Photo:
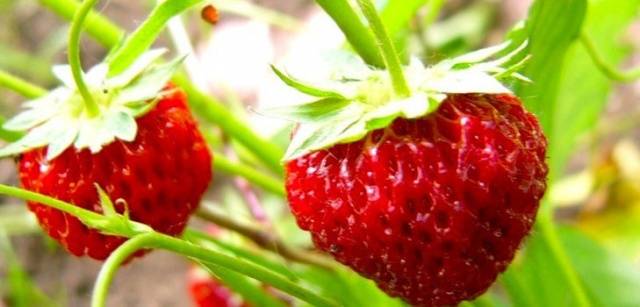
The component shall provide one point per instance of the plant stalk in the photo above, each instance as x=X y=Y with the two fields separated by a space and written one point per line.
x=387 y=49
x=74 y=56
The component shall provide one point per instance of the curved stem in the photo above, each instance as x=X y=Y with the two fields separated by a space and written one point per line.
x=157 y=240
x=74 y=56
x=609 y=70
x=20 y=86
x=266 y=240
x=388 y=51
x=115 y=260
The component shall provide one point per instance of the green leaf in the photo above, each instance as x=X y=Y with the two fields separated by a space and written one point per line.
x=584 y=91
x=611 y=280
x=305 y=88
x=309 y=112
x=553 y=26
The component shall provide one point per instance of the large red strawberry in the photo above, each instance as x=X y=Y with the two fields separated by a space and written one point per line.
x=431 y=194
x=433 y=208
x=143 y=148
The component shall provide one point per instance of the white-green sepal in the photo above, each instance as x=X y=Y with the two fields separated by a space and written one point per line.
x=354 y=103
x=59 y=120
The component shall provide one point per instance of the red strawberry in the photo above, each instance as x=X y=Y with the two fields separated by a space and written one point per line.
x=434 y=208
x=161 y=176
x=208 y=292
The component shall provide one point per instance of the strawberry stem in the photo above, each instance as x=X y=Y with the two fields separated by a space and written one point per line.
x=20 y=86
x=74 y=56
x=161 y=241
x=388 y=51
x=607 y=69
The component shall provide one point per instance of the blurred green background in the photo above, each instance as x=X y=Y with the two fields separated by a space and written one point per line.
x=590 y=113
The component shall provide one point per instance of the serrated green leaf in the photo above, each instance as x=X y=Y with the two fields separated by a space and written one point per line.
x=149 y=85
x=309 y=112
x=304 y=88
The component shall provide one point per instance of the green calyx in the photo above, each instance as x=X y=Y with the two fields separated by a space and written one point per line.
x=61 y=119
x=353 y=99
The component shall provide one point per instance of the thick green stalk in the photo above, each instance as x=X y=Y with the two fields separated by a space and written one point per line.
x=213 y=111
x=387 y=49
x=74 y=56
x=98 y=27
x=358 y=35
x=147 y=33
x=249 y=173
x=20 y=86
x=610 y=71
x=161 y=241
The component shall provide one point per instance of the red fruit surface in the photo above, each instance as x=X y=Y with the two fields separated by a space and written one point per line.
x=208 y=292
x=431 y=209
x=162 y=176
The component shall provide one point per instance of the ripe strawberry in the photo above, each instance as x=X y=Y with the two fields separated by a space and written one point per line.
x=208 y=292
x=432 y=208
x=135 y=139
x=161 y=176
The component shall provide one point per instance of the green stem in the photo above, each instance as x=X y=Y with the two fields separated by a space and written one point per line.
x=607 y=69
x=147 y=33
x=98 y=27
x=20 y=86
x=354 y=30
x=157 y=240
x=160 y=241
x=76 y=211
x=115 y=260
x=215 y=112
x=252 y=175
x=550 y=234
x=74 y=56
x=387 y=49
x=266 y=240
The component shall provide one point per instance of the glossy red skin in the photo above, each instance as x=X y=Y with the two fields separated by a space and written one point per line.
x=162 y=176
x=431 y=209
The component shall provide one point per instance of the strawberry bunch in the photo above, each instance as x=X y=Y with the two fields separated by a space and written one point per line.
x=143 y=148
x=431 y=194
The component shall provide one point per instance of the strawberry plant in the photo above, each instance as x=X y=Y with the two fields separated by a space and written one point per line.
x=428 y=161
